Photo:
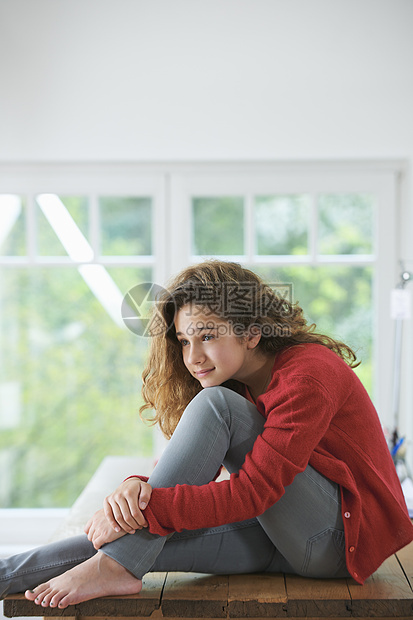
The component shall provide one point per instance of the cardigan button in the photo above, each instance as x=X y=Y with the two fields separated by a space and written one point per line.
x=347 y=515
x=351 y=549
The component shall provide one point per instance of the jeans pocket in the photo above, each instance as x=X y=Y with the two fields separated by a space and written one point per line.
x=325 y=555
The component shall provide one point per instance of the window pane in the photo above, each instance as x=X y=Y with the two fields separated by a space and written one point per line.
x=126 y=226
x=12 y=225
x=218 y=226
x=62 y=226
x=346 y=224
x=69 y=383
x=339 y=299
x=281 y=224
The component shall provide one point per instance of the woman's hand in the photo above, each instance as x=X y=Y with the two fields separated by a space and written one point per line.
x=123 y=507
x=99 y=530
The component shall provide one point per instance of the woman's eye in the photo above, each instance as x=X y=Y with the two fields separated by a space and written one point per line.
x=208 y=337
x=183 y=342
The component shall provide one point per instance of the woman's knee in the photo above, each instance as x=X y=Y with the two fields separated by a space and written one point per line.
x=209 y=400
x=231 y=408
x=211 y=394
x=205 y=411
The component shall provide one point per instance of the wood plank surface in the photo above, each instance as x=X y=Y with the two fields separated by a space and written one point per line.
x=386 y=593
x=405 y=557
x=159 y=616
x=261 y=595
x=195 y=595
x=320 y=598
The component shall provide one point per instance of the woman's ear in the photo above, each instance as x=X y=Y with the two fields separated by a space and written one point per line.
x=253 y=337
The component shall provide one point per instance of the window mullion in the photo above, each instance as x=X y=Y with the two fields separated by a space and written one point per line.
x=94 y=225
x=161 y=222
x=31 y=229
x=313 y=232
x=249 y=228
x=181 y=223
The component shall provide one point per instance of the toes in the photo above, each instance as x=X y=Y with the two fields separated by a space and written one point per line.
x=42 y=595
x=47 y=598
x=36 y=595
x=64 y=602
x=39 y=600
x=55 y=600
x=49 y=595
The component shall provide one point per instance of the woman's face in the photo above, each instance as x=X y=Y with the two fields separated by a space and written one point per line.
x=211 y=351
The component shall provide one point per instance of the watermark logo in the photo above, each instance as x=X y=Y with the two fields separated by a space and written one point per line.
x=232 y=300
x=267 y=330
x=140 y=309
x=227 y=300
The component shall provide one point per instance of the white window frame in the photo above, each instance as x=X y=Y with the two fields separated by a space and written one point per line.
x=92 y=181
x=172 y=184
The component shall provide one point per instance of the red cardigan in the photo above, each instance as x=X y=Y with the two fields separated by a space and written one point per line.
x=317 y=412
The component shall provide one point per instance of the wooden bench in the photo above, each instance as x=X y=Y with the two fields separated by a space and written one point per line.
x=386 y=594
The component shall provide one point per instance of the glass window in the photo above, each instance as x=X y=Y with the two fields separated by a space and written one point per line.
x=218 y=226
x=282 y=224
x=346 y=224
x=69 y=380
x=63 y=226
x=12 y=225
x=339 y=300
x=69 y=367
x=126 y=226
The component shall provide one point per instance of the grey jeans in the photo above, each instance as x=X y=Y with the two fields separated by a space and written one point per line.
x=302 y=533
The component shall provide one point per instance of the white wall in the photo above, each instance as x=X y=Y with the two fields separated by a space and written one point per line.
x=119 y=80
x=205 y=79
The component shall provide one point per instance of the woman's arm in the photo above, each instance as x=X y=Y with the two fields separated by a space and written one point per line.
x=103 y=528
x=123 y=508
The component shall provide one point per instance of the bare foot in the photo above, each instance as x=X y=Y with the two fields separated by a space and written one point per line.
x=98 y=576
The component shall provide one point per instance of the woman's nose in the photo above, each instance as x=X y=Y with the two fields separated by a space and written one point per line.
x=195 y=355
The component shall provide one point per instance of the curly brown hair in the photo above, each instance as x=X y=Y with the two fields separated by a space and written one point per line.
x=168 y=387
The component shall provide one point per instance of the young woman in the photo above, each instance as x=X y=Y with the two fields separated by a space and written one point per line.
x=237 y=377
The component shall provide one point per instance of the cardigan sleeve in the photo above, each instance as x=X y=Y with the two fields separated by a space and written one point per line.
x=299 y=412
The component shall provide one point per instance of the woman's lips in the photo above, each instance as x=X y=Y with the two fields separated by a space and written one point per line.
x=203 y=372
